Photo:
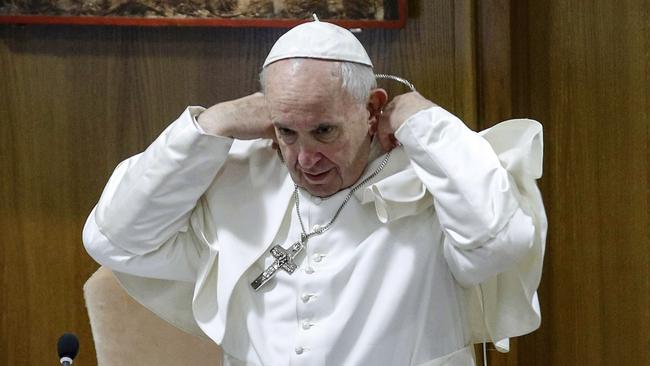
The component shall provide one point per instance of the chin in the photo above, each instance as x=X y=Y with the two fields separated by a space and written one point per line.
x=327 y=187
x=319 y=191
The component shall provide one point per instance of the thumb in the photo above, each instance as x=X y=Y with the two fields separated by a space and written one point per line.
x=386 y=140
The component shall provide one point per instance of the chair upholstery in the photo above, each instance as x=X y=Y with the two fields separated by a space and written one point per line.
x=126 y=333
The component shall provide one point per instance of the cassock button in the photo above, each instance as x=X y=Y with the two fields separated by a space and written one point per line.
x=309 y=270
x=315 y=227
x=299 y=350
x=306 y=325
x=317 y=257
x=305 y=297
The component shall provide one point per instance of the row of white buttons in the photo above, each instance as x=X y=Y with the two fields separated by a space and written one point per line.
x=305 y=326
x=306 y=297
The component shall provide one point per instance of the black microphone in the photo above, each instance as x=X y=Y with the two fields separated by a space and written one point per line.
x=68 y=347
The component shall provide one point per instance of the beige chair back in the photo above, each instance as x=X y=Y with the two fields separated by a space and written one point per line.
x=126 y=333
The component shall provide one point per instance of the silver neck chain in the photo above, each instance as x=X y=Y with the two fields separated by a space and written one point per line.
x=322 y=229
x=396 y=78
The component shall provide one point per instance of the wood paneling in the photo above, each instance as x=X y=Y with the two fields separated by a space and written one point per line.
x=494 y=61
x=74 y=101
x=582 y=69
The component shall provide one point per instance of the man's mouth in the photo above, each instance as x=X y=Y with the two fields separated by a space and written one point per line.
x=316 y=178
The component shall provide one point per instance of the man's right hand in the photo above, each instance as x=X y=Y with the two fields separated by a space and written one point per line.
x=245 y=118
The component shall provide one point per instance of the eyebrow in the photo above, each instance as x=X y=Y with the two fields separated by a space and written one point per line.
x=320 y=125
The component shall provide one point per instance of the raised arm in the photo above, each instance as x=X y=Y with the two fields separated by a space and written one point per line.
x=150 y=220
x=475 y=198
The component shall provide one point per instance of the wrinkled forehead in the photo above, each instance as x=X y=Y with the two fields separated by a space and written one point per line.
x=309 y=92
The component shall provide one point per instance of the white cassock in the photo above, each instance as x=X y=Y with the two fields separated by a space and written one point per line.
x=442 y=249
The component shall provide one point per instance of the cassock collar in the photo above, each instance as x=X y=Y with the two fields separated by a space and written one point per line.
x=396 y=191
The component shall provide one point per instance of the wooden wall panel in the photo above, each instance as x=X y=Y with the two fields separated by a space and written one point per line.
x=596 y=81
x=582 y=68
x=74 y=101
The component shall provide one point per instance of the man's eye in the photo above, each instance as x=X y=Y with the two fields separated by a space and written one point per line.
x=286 y=135
x=325 y=133
x=324 y=130
x=284 y=131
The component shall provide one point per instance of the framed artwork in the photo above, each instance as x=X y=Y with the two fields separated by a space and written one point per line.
x=225 y=13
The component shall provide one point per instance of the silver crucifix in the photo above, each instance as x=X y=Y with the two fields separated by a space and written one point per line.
x=284 y=259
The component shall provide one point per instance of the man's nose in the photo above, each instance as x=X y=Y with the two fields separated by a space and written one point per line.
x=308 y=157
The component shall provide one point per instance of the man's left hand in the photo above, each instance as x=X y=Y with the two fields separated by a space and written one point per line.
x=401 y=108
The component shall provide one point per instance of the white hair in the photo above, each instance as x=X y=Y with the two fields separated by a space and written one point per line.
x=356 y=79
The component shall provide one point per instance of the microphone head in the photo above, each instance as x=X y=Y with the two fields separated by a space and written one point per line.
x=68 y=346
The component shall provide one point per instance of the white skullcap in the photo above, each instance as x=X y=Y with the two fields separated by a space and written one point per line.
x=319 y=40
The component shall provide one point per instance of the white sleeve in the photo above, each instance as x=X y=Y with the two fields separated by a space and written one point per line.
x=474 y=196
x=176 y=259
x=149 y=219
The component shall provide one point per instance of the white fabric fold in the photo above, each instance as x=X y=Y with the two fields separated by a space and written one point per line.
x=518 y=144
x=166 y=156
x=397 y=196
x=472 y=191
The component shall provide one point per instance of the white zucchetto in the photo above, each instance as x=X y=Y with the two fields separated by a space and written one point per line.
x=320 y=40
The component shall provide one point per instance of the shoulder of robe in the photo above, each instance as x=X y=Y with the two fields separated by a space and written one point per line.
x=257 y=155
x=251 y=164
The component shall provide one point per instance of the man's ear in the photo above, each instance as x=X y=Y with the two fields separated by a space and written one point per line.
x=376 y=103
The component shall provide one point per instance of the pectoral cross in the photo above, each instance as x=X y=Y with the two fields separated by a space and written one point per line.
x=284 y=259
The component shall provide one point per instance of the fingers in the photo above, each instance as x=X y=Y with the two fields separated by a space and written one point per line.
x=396 y=112
x=402 y=107
x=385 y=134
x=386 y=142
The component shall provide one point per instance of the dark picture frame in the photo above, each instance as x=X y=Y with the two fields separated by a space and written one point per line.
x=210 y=13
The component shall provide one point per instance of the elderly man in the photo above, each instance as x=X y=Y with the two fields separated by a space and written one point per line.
x=317 y=224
